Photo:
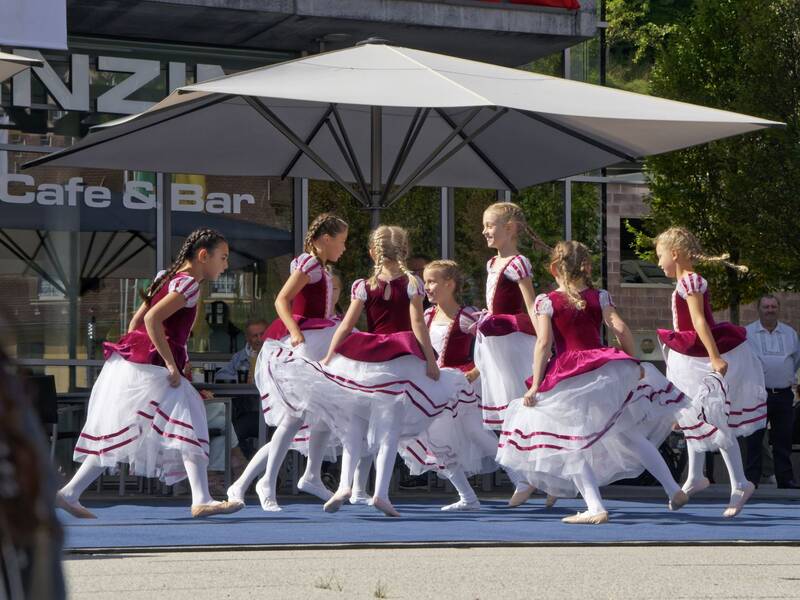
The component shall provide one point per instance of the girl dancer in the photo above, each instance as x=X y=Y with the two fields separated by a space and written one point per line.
x=456 y=444
x=380 y=385
x=584 y=421
x=305 y=310
x=506 y=336
x=698 y=346
x=142 y=411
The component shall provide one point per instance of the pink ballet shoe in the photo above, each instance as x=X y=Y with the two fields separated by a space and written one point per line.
x=336 y=501
x=521 y=496
x=693 y=487
x=266 y=497
x=383 y=505
x=216 y=508
x=678 y=500
x=738 y=499
x=586 y=518
x=76 y=509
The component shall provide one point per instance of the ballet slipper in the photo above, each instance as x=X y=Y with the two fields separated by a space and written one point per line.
x=678 y=500
x=586 y=518
x=336 y=501
x=216 y=508
x=266 y=498
x=693 y=487
x=738 y=499
x=550 y=502
x=462 y=505
x=383 y=505
x=235 y=494
x=315 y=489
x=76 y=509
x=521 y=496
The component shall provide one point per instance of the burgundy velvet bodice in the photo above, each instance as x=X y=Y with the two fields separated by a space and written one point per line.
x=457 y=351
x=392 y=315
x=575 y=329
x=312 y=301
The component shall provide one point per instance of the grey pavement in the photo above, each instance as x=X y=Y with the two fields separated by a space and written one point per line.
x=550 y=573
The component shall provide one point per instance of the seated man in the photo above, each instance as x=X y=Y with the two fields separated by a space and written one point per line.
x=246 y=411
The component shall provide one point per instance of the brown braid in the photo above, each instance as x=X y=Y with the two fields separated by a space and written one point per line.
x=199 y=239
x=513 y=213
x=683 y=241
x=325 y=224
x=573 y=261
x=390 y=243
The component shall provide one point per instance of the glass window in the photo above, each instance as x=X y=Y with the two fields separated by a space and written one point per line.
x=633 y=269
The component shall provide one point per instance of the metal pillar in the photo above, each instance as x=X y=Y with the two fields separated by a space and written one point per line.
x=447 y=222
x=300 y=212
x=568 y=208
x=376 y=158
x=504 y=195
x=163 y=221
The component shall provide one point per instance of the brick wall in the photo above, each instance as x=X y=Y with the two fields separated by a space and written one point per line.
x=647 y=307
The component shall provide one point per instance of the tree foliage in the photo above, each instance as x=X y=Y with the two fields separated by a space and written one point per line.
x=740 y=195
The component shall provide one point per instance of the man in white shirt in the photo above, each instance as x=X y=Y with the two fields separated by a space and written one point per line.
x=777 y=346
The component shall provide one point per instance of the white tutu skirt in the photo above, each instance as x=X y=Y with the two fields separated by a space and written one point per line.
x=581 y=419
x=395 y=396
x=656 y=405
x=455 y=440
x=275 y=410
x=505 y=363
x=746 y=402
x=136 y=417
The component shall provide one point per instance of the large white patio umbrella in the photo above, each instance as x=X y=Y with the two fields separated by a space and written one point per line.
x=380 y=119
x=11 y=64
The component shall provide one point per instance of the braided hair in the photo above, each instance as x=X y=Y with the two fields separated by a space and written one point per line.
x=325 y=224
x=683 y=241
x=199 y=239
x=508 y=212
x=572 y=261
x=389 y=243
x=449 y=270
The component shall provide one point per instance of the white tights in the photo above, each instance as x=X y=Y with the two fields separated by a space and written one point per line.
x=587 y=485
x=730 y=454
x=652 y=460
x=90 y=469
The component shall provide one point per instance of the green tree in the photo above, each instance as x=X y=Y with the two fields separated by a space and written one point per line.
x=740 y=196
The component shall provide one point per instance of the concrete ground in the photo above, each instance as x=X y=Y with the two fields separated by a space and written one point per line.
x=476 y=573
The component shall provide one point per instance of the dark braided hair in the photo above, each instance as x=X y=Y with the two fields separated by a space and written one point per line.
x=325 y=223
x=199 y=239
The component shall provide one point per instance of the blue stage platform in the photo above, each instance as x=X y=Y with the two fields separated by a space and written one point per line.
x=142 y=526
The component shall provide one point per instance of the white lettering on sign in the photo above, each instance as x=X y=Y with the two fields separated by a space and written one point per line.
x=136 y=195
x=113 y=100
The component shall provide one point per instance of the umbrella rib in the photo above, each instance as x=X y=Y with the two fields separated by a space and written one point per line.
x=357 y=173
x=480 y=153
x=436 y=152
x=414 y=129
x=88 y=253
x=284 y=129
x=465 y=141
x=102 y=252
x=309 y=139
x=53 y=259
x=116 y=253
x=50 y=157
x=578 y=135
x=17 y=250
x=126 y=259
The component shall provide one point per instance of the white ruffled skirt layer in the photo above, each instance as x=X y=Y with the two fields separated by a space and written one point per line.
x=274 y=410
x=455 y=440
x=395 y=396
x=136 y=417
x=744 y=402
x=505 y=363
x=584 y=419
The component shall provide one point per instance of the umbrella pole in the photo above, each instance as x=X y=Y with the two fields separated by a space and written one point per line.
x=376 y=159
